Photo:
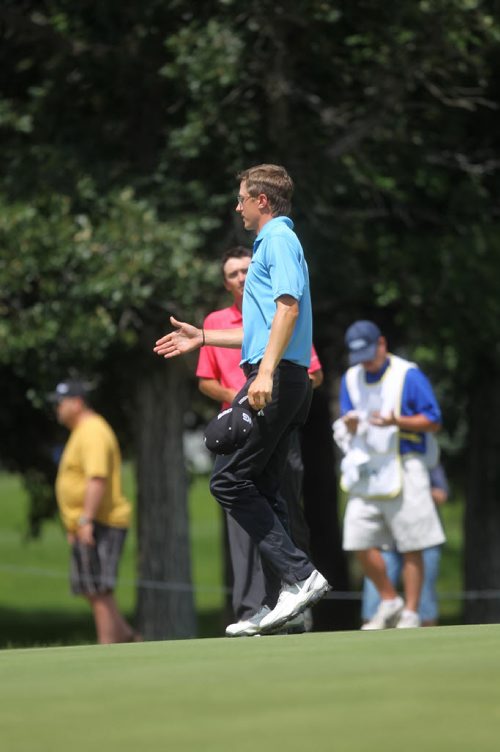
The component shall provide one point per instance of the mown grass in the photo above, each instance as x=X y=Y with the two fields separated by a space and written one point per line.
x=36 y=607
x=434 y=689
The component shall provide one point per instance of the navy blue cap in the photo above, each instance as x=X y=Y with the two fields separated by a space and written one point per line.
x=362 y=339
x=229 y=430
x=69 y=388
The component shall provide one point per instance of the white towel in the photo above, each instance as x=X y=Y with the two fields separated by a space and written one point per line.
x=353 y=447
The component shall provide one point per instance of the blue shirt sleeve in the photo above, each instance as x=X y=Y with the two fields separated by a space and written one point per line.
x=345 y=400
x=418 y=397
x=285 y=268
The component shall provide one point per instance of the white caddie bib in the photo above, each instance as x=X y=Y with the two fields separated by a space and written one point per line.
x=381 y=477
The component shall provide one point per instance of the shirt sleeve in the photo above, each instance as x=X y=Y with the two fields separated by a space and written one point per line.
x=315 y=362
x=96 y=454
x=207 y=367
x=418 y=396
x=285 y=269
x=345 y=400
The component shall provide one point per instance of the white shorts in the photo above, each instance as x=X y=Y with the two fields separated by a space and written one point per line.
x=409 y=522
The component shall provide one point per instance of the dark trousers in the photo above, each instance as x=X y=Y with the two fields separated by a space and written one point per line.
x=247 y=482
x=251 y=588
x=291 y=489
x=251 y=585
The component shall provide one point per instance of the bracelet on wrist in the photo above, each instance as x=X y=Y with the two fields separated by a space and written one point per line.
x=83 y=520
x=203 y=335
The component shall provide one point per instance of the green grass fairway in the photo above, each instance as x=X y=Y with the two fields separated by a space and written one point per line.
x=394 y=691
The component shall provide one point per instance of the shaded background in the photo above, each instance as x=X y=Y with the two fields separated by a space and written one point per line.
x=122 y=128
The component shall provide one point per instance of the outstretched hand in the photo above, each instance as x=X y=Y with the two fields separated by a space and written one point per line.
x=185 y=338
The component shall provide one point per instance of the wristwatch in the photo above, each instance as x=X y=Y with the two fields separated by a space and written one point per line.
x=82 y=520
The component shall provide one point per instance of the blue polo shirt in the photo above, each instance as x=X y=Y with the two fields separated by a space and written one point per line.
x=417 y=399
x=278 y=267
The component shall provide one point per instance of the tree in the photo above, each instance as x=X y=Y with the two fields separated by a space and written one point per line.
x=90 y=269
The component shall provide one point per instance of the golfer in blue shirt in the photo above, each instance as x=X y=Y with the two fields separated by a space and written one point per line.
x=276 y=340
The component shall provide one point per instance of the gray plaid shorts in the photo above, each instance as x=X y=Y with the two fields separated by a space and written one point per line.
x=94 y=569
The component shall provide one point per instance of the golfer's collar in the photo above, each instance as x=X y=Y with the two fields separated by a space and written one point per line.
x=271 y=225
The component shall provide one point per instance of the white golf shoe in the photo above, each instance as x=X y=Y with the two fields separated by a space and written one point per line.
x=250 y=626
x=408 y=620
x=300 y=624
x=386 y=615
x=293 y=600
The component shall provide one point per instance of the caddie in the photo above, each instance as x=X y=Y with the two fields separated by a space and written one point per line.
x=389 y=414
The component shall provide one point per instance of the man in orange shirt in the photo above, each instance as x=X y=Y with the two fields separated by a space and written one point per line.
x=221 y=378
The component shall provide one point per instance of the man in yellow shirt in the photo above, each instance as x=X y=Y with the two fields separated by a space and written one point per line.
x=93 y=510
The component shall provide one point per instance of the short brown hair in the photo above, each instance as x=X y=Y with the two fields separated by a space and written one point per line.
x=238 y=251
x=272 y=180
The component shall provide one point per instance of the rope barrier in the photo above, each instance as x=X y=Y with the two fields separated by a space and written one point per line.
x=146 y=584
x=465 y=595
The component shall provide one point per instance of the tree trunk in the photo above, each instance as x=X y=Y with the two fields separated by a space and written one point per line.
x=321 y=511
x=165 y=599
x=482 y=516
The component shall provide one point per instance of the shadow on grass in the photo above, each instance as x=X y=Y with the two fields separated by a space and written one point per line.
x=44 y=628
x=22 y=628
x=212 y=623
x=57 y=628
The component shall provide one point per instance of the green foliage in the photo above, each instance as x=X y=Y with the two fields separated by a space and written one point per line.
x=123 y=126
x=74 y=283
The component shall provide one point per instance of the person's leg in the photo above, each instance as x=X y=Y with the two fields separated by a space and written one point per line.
x=373 y=566
x=413 y=577
x=250 y=590
x=245 y=483
x=286 y=501
x=227 y=569
x=110 y=625
x=291 y=489
x=391 y=604
x=428 y=610
x=415 y=524
x=93 y=574
x=371 y=598
x=365 y=533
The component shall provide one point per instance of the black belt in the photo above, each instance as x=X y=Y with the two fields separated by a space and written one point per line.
x=247 y=368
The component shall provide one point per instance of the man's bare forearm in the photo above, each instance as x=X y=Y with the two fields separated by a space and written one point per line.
x=214 y=389
x=224 y=337
x=186 y=338
x=410 y=423
x=94 y=494
x=317 y=378
x=418 y=423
